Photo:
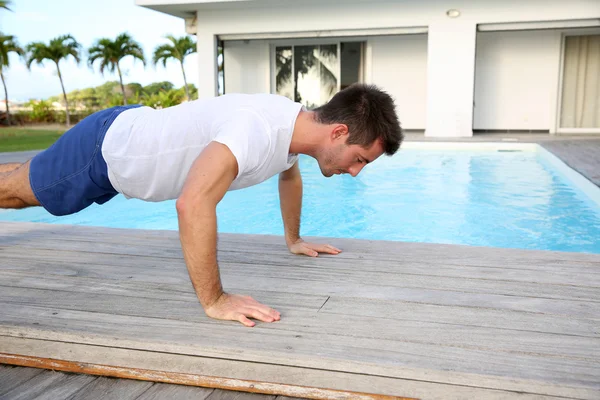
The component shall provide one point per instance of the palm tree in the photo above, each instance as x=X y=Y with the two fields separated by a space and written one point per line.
x=58 y=49
x=178 y=49
x=110 y=53
x=8 y=44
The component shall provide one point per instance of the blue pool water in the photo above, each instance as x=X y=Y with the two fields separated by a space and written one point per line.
x=482 y=198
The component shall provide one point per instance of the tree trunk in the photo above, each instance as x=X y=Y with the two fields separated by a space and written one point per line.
x=6 y=97
x=187 y=90
x=65 y=96
x=122 y=87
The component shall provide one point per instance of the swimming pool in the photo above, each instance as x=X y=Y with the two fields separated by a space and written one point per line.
x=500 y=195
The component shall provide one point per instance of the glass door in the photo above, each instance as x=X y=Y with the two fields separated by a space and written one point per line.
x=580 y=95
x=312 y=74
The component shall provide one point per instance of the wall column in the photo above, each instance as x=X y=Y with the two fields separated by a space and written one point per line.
x=207 y=64
x=450 y=78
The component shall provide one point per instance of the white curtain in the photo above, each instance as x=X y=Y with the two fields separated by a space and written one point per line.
x=581 y=83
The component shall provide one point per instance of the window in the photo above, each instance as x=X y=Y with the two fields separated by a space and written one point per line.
x=312 y=74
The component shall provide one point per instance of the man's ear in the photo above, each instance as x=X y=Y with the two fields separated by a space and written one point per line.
x=339 y=131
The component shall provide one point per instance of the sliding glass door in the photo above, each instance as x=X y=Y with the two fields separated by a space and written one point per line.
x=580 y=97
x=312 y=73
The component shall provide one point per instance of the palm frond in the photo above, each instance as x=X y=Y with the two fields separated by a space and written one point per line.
x=178 y=49
x=56 y=50
x=4 y=4
x=8 y=44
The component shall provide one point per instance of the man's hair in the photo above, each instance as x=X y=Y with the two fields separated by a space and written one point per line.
x=369 y=113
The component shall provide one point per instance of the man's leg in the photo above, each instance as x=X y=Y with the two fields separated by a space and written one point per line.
x=15 y=189
x=9 y=167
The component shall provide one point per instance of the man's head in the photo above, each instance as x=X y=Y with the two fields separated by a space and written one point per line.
x=362 y=125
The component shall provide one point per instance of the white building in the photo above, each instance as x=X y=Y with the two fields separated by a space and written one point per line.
x=454 y=67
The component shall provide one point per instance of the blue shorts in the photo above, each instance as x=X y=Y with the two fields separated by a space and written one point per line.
x=72 y=174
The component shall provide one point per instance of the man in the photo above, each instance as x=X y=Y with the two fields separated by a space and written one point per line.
x=195 y=152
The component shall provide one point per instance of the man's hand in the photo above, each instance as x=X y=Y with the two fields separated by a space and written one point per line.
x=312 y=249
x=238 y=308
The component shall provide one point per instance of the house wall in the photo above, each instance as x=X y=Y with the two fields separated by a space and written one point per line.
x=399 y=65
x=246 y=66
x=516 y=80
x=451 y=50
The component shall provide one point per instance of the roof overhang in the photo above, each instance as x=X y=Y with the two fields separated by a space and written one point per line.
x=184 y=8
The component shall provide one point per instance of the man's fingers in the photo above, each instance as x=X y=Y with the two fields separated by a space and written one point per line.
x=241 y=308
x=258 y=314
x=259 y=311
x=325 y=249
x=329 y=249
x=311 y=253
x=255 y=305
x=334 y=248
x=272 y=313
x=242 y=318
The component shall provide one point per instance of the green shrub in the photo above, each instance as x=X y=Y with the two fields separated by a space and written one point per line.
x=41 y=111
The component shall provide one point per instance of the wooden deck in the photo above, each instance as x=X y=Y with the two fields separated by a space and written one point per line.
x=416 y=320
x=400 y=319
x=35 y=383
x=581 y=155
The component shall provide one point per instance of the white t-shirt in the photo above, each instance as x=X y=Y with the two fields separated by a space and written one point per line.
x=149 y=152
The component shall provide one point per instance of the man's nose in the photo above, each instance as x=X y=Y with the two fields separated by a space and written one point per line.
x=355 y=169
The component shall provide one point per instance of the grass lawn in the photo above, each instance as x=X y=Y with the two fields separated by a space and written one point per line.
x=21 y=139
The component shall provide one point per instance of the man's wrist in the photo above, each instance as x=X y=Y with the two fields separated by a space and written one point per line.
x=207 y=303
x=290 y=240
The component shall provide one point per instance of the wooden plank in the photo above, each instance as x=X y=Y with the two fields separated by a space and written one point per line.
x=168 y=293
x=184 y=310
x=162 y=391
x=11 y=377
x=362 y=308
x=416 y=388
x=288 y=398
x=281 y=255
x=110 y=388
x=474 y=317
x=49 y=385
x=189 y=379
x=372 y=356
x=581 y=155
x=567 y=308
x=263 y=281
x=345 y=327
x=435 y=282
x=15 y=257
x=441 y=297
x=450 y=256
x=375 y=249
x=480 y=278
x=177 y=273
x=224 y=395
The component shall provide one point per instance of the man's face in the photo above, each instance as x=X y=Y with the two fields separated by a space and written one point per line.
x=340 y=158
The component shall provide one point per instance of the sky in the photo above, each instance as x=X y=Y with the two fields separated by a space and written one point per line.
x=88 y=21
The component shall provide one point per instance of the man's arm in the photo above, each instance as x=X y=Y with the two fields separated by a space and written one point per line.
x=290 y=199
x=207 y=182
